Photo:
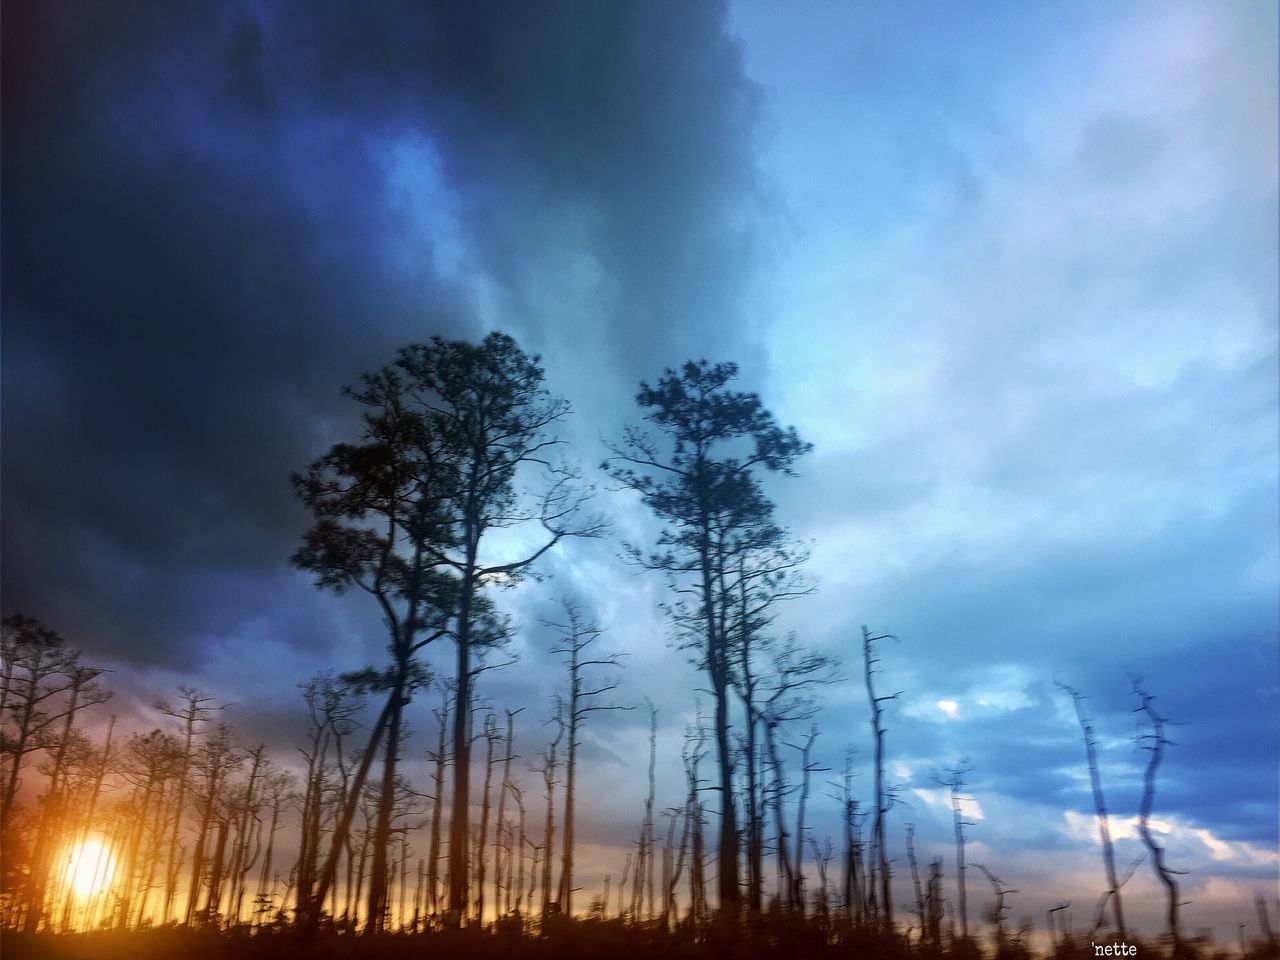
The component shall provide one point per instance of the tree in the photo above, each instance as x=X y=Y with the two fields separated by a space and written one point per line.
x=1100 y=806
x=807 y=769
x=193 y=710
x=548 y=768
x=766 y=571
x=1154 y=743
x=701 y=482
x=82 y=691
x=998 y=908
x=786 y=696
x=954 y=780
x=883 y=799
x=486 y=407
x=37 y=668
x=379 y=527
x=577 y=636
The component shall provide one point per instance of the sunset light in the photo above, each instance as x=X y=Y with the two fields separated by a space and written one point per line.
x=570 y=479
x=89 y=868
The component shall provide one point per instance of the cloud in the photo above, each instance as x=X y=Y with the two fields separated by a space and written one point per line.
x=1024 y=306
x=217 y=217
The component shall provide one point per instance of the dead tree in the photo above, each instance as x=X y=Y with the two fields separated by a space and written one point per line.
x=150 y=761
x=1054 y=937
x=933 y=905
x=440 y=759
x=245 y=821
x=36 y=670
x=644 y=844
x=851 y=823
x=672 y=866
x=693 y=752
x=915 y=880
x=1264 y=919
x=823 y=856
x=954 y=781
x=766 y=571
x=522 y=841
x=807 y=769
x=491 y=736
x=193 y=710
x=577 y=634
x=503 y=827
x=787 y=697
x=82 y=692
x=548 y=771
x=1100 y=806
x=1154 y=742
x=331 y=706
x=216 y=758
x=279 y=786
x=883 y=800
x=997 y=912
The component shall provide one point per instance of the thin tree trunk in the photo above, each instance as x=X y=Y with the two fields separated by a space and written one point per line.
x=375 y=921
x=1100 y=807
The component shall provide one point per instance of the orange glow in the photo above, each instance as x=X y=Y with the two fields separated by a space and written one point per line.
x=89 y=868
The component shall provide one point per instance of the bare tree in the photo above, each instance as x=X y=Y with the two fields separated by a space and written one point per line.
x=548 y=769
x=491 y=736
x=915 y=880
x=1100 y=806
x=278 y=788
x=786 y=696
x=37 y=668
x=954 y=780
x=693 y=753
x=82 y=691
x=643 y=863
x=851 y=821
x=883 y=800
x=216 y=759
x=504 y=828
x=998 y=908
x=807 y=769
x=933 y=905
x=439 y=759
x=577 y=634
x=194 y=709
x=766 y=571
x=1154 y=742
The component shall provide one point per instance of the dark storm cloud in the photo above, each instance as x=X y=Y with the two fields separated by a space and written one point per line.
x=199 y=251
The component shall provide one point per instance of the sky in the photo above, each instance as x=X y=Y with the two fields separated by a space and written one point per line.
x=1011 y=269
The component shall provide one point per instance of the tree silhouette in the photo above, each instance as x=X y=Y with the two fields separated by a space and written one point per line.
x=701 y=481
x=1100 y=807
x=954 y=780
x=577 y=636
x=1154 y=743
x=194 y=710
x=379 y=528
x=487 y=407
x=767 y=571
x=882 y=797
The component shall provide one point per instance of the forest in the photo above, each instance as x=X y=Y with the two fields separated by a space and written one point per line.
x=182 y=837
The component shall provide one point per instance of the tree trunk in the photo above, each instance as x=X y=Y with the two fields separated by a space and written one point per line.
x=375 y=920
x=459 y=828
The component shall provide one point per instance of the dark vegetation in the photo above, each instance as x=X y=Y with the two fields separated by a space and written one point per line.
x=188 y=841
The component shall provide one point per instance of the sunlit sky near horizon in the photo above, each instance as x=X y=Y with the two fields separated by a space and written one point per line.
x=1011 y=268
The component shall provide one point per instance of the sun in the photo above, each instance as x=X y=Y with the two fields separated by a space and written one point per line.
x=89 y=868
